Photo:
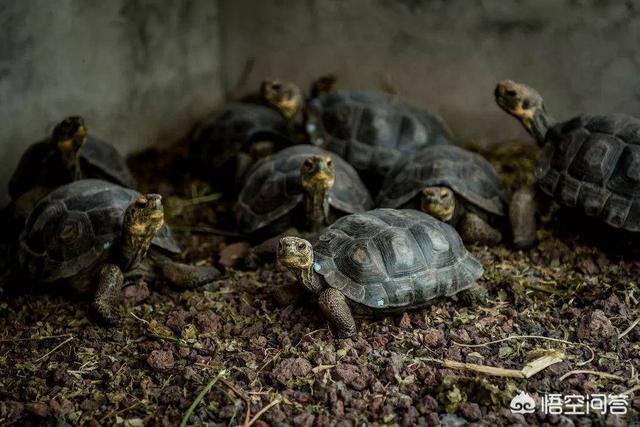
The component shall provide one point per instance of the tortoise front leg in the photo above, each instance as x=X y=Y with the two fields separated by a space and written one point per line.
x=335 y=308
x=522 y=215
x=110 y=281
x=474 y=229
x=184 y=276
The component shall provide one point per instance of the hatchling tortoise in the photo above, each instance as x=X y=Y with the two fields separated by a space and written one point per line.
x=298 y=186
x=381 y=261
x=67 y=155
x=591 y=163
x=98 y=236
x=370 y=130
x=452 y=184
x=240 y=133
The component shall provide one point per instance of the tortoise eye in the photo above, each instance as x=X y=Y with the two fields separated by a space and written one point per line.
x=301 y=246
x=329 y=161
x=511 y=92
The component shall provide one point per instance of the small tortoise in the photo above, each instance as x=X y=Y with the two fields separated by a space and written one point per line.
x=238 y=133
x=66 y=156
x=370 y=130
x=452 y=184
x=299 y=177
x=98 y=236
x=591 y=163
x=381 y=261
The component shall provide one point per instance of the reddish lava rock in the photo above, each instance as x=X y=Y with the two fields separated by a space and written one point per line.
x=291 y=368
x=161 y=360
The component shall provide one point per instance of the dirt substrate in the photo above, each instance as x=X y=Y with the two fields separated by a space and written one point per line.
x=278 y=364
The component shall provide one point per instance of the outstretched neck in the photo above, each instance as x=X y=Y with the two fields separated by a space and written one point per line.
x=539 y=124
x=309 y=279
x=316 y=203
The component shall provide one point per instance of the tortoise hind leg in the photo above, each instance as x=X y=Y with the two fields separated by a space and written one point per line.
x=110 y=281
x=335 y=308
x=184 y=276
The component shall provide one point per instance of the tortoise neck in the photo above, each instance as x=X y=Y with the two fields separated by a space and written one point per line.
x=133 y=249
x=316 y=202
x=310 y=279
x=539 y=125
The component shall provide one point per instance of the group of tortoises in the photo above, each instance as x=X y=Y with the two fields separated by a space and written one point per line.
x=367 y=199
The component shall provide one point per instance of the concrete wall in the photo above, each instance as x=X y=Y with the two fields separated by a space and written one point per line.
x=139 y=71
x=447 y=55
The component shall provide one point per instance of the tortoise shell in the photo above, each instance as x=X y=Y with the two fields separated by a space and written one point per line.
x=39 y=167
x=593 y=163
x=388 y=258
x=75 y=226
x=222 y=135
x=372 y=131
x=272 y=188
x=467 y=174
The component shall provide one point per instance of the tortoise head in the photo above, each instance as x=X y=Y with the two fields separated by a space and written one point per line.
x=68 y=137
x=439 y=202
x=295 y=253
x=142 y=221
x=317 y=174
x=323 y=85
x=519 y=100
x=285 y=97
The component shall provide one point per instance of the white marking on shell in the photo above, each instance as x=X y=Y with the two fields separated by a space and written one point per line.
x=316 y=267
x=380 y=302
x=318 y=141
x=439 y=241
x=311 y=127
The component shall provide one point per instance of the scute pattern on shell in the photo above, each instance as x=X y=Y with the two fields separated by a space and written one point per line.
x=107 y=162
x=223 y=134
x=272 y=188
x=468 y=174
x=74 y=226
x=370 y=130
x=388 y=258
x=593 y=163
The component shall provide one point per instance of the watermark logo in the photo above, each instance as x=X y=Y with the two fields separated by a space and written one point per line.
x=571 y=404
x=523 y=404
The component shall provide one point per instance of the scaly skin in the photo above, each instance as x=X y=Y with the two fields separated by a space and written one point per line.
x=525 y=104
x=67 y=139
x=285 y=97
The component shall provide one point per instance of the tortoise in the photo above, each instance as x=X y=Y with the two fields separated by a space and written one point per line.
x=370 y=130
x=67 y=155
x=590 y=162
x=287 y=97
x=302 y=177
x=452 y=184
x=239 y=133
x=98 y=236
x=381 y=261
